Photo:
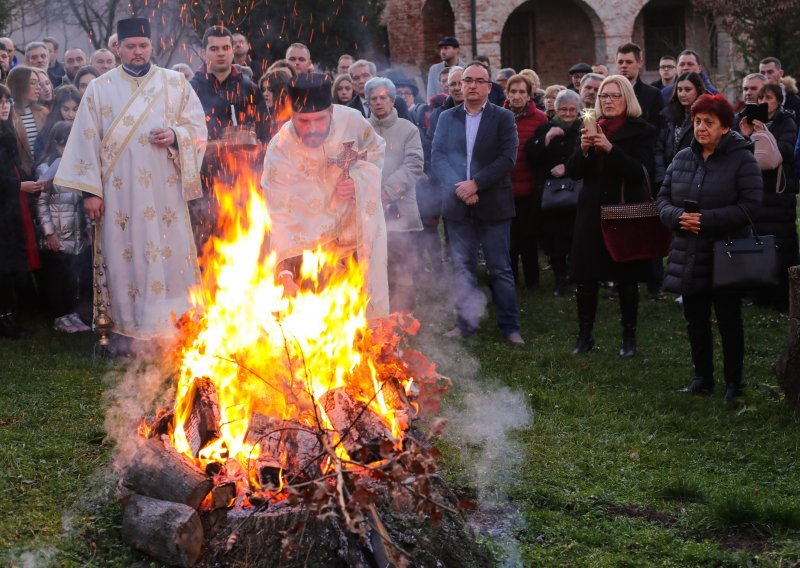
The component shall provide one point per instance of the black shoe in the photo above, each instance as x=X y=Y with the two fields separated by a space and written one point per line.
x=628 y=348
x=10 y=328
x=699 y=385
x=732 y=392
x=583 y=345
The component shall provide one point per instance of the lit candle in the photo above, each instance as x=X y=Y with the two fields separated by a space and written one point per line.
x=589 y=120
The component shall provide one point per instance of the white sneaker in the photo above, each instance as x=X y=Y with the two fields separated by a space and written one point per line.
x=77 y=322
x=64 y=324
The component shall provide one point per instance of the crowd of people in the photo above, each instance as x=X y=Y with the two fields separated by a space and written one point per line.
x=467 y=176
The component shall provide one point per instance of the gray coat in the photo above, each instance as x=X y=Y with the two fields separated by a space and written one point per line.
x=60 y=212
x=728 y=187
x=402 y=167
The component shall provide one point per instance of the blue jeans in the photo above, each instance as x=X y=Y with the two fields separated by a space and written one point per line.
x=496 y=240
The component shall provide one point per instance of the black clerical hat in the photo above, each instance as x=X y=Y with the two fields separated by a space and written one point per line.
x=133 y=27
x=310 y=92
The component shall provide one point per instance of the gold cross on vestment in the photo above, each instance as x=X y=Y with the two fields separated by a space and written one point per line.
x=347 y=157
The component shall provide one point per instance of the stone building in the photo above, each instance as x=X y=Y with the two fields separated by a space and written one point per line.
x=550 y=36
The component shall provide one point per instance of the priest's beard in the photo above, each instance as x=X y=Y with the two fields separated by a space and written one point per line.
x=315 y=139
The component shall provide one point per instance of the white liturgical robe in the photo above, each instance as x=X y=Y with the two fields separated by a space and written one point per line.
x=145 y=259
x=299 y=188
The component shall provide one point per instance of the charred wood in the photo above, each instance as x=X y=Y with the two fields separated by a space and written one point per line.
x=202 y=424
x=362 y=430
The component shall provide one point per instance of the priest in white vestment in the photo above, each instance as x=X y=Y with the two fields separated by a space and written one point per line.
x=135 y=152
x=322 y=185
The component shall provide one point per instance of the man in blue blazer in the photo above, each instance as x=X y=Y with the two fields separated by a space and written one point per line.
x=474 y=150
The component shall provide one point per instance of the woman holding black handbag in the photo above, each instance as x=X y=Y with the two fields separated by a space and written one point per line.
x=548 y=150
x=709 y=191
x=613 y=160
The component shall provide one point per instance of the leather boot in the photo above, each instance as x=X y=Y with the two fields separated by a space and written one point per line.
x=629 y=309
x=733 y=390
x=587 y=308
x=10 y=328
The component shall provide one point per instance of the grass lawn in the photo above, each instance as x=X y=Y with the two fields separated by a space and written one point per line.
x=616 y=468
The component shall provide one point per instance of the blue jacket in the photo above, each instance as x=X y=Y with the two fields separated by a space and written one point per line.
x=493 y=158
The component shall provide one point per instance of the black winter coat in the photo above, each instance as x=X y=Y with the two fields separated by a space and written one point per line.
x=666 y=147
x=778 y=213
x=12 y=239
x=557 y=226
x=632 y=152
x=728 y=187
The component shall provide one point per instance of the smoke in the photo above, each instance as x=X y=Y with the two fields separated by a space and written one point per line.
x=144 y=385
x=482 y=420
x=489 y=416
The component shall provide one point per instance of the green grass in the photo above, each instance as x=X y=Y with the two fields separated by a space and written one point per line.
x=617 y=469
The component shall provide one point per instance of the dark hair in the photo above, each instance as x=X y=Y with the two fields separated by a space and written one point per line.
x=216 y=31
x=631 y=47
x=277 y=84
x=691 y=52
x=83 y=71
x=485 y=60
x=58 y=135
x=717 y=105
x=676 y=109
x=774 y=89
x=5 y=93
x=51 y=39
x=281 y=64
x=768 y=60
x=64 y=94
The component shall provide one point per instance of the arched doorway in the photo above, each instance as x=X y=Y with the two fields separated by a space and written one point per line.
x=548 y=37
x=438 y=21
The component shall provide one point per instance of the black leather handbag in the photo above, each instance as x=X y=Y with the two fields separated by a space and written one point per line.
x=560 y=193
x=746 y=263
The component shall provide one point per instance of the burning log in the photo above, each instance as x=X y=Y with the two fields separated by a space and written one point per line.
x=222 y=495
x=170 y=532
x=359 y=427
x=285 y=445
x=202 y=425
x=162 y=473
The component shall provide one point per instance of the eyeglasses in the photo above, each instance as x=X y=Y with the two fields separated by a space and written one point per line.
x=470 y=81
x=666 y=67
x=606 y=96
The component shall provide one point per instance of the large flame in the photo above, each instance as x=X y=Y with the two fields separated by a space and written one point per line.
x=267 y=353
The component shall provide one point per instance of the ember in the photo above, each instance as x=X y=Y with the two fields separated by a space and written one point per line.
x=287 y=407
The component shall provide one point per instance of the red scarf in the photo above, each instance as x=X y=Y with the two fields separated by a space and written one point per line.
x=609 y=127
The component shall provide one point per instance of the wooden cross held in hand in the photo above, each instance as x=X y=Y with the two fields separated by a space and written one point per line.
x=347 y=157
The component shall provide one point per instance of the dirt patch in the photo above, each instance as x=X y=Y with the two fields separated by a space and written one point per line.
x=9 y=421
x=743 y=540
x=637 y=512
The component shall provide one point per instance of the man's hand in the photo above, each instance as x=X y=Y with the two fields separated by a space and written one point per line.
x=690 y=222
x=94 y=207
x=466 y=189
x=345 y=188
x=31 y=186
x=471 y=200
x=290 y=287
x=162 y=137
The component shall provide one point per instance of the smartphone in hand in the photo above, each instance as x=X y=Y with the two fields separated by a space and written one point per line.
x=691 y=206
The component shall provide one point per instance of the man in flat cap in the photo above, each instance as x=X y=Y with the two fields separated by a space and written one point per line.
x=135 y=152
x=322 y=184
x=448 y=51
x=576 y=73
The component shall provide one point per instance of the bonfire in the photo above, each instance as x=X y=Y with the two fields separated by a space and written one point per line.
x=290 y=413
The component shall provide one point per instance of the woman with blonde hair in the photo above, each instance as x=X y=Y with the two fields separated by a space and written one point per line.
x=614 y=159
x=343 y=89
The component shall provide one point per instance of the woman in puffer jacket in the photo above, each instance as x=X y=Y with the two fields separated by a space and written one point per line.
x=66 y=257
x=708 y=193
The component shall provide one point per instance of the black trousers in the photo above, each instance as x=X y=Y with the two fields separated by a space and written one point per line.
x=523 y=240
x=66 y=276
x=728 y=309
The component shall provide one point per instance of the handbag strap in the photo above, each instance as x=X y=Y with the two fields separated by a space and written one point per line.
x=646 y=180
x=778 y=181
x=756 y=236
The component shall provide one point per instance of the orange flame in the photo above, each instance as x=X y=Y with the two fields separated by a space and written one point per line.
x=270 y=354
